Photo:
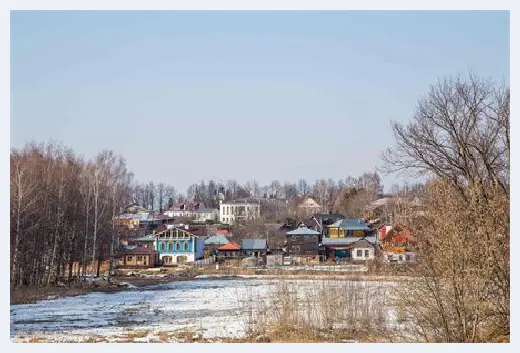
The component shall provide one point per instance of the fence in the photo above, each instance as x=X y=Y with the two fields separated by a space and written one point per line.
x=204 y=262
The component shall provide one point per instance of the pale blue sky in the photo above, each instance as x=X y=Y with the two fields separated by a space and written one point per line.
x=186 y=96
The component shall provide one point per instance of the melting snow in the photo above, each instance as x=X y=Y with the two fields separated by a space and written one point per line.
x=215 y=307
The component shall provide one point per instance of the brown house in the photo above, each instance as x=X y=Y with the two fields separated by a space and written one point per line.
x=303 y=242
x=139 y=257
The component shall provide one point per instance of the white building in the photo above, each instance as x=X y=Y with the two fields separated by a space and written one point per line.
x=198 y=212
x=233 y=211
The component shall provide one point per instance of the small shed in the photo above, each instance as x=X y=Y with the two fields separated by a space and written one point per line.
x=254 y=247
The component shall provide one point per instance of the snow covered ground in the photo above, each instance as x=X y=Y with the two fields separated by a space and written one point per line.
x=214 y=307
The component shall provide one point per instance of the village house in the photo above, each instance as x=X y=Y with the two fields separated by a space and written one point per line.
x=308 y=206
x=229 y=250
x=303 y=242
x=195 y=211
x=397 y=244
x=239 y=210
x=141 y=222
x=349 y=228
x=177 y=245
x=254 y=247
x=138 y=257
x=350 y=248
x=212 y=243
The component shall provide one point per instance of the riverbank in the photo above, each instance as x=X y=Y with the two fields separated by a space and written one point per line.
x=117 y=283
x=140 y=278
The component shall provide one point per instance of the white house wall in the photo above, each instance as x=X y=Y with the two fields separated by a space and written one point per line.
x=189 y=255
x=371 y=254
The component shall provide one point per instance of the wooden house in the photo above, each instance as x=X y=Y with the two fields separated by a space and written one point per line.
x=303 y=242
x=349 y=228
x=254 y=247
x=138 y=257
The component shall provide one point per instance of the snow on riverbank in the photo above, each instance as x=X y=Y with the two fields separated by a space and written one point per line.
x=212 y=307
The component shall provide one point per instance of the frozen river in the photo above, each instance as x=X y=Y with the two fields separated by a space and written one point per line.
x=210 y=306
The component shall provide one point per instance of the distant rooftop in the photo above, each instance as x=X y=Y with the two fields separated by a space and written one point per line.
x=303 y=231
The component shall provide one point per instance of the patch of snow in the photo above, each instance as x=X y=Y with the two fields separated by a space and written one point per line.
x=213 y=307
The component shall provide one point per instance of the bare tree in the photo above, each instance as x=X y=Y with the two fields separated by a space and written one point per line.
x=459 y=132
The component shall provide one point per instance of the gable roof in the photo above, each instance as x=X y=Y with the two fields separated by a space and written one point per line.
x=216 y=240
x=362 y=243
x=303 y=231
x=309 y=200
x=229 y=247
x=351 y=224
x=254 y=244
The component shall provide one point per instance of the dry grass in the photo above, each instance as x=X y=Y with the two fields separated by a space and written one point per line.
x=331 y=311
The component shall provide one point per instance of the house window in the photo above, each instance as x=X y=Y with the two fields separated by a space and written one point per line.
x=161 y=245
x=170 y=245
x=296 y=247
x=129 y=258
x=400 y=257
x=366 y=253
x=408 y=257
x=349 y=233
x=177 y=246
x=359 y=253
x=186 y=246
x=139 y=258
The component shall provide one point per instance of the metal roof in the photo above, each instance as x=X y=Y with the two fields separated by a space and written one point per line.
x=216 y=240
x=303 y=231
x=347 y=240
x=254 y=244
x=351 y=224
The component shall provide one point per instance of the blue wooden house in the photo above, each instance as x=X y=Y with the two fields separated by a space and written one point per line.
x=177 y=245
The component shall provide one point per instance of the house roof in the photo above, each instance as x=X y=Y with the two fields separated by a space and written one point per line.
x=223 y=232
x=254 y=244
x=285 y=228
x=303 y=231
x=351 y=224
x=216 y=240
x=229 y=247
x=347 y=240
x=362 y=243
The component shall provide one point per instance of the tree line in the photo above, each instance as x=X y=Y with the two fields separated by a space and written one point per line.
x=62 y=207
